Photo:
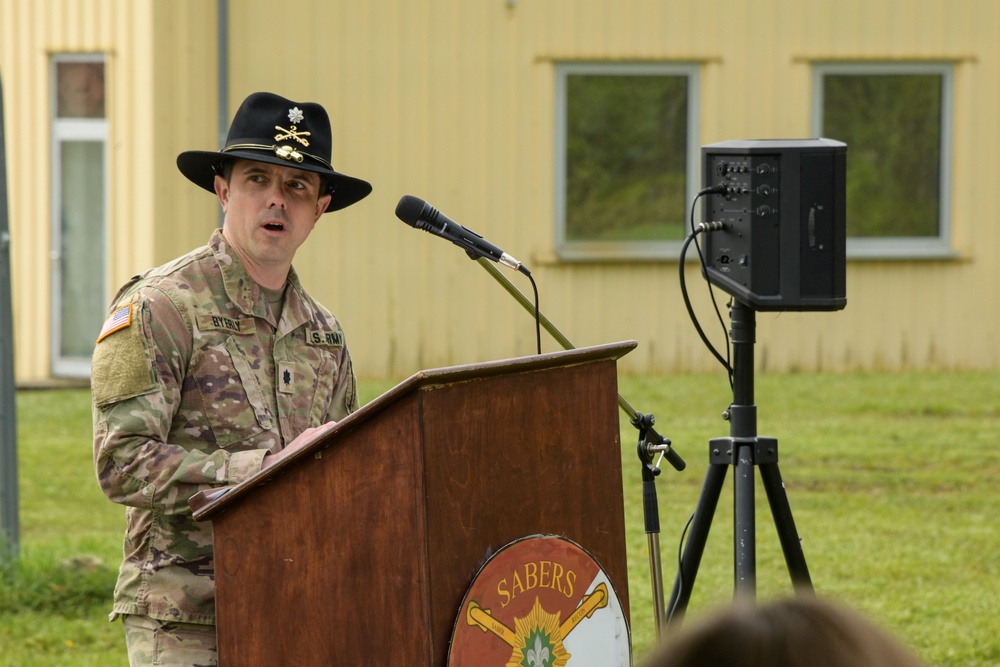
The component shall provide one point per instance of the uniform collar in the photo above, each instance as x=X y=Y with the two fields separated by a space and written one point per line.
x=240 y=287
x=244 y=292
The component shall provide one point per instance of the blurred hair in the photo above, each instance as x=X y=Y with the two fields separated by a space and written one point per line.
x=792 y=632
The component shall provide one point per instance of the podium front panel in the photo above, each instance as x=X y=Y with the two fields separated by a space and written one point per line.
x=534 y=455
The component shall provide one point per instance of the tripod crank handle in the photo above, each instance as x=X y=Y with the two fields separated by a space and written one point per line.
x=668 y=452
x=648 y=435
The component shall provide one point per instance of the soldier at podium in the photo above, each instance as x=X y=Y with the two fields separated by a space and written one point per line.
x=215 y=365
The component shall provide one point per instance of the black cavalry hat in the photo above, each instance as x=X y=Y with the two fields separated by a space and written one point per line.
x=270 y=128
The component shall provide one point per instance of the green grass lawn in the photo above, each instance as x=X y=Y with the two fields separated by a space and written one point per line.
x=892 y=480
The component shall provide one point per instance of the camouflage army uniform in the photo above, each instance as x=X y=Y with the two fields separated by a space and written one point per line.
x=192 y=387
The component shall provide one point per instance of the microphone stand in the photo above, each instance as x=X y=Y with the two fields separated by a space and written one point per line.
x=650 y=443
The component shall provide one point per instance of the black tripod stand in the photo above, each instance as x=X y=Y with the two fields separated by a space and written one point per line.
x=743 y=450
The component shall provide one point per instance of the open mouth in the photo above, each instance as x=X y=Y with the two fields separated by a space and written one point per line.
x=274 y=226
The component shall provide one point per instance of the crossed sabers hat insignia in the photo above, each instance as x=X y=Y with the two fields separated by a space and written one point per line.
x=292 y=133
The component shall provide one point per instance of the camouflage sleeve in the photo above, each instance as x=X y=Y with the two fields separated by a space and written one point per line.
x=137 y=380
x=345 y=390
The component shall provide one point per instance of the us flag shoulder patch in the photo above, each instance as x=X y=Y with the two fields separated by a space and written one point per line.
x=119 y=319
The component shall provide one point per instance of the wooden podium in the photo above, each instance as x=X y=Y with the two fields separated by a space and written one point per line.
x=358 y=549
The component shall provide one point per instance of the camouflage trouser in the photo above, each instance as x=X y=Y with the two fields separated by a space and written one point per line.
x=153 y=643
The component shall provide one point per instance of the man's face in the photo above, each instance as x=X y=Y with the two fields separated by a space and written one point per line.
x=269 y=212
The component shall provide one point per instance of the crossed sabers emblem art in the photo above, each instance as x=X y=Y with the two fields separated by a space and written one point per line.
x=477 y=616
x=292 y=133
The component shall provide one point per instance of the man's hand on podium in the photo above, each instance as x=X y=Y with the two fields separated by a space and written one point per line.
x=307 y=436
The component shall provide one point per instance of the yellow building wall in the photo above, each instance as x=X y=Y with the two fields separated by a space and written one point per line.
x=184 y=90
x=453 y=101
x=145 y=43
x=32 y=32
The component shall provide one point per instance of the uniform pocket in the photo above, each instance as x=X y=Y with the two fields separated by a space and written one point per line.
x=326 y=371
x=234 y=403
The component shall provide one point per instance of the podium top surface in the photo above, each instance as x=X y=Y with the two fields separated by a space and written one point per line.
x=208 y=504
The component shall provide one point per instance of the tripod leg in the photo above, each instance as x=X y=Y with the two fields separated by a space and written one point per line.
x=695 y=546
x=744 y=527
x=787 y=535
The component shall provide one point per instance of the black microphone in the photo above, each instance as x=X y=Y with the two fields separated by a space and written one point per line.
x=419 y=214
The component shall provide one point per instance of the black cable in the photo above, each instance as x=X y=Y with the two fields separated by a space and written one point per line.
x=726 y=361
x=694 y=319
x=680 y=570
x=719 y=188
x=538 y=318
x=693 y=237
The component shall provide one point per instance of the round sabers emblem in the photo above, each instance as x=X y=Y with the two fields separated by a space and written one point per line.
x=541 y=601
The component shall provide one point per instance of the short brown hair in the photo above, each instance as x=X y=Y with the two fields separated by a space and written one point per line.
x=793 y=632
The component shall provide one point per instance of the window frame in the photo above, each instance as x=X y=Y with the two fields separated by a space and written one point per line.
x=900 y=247
x=623 y=250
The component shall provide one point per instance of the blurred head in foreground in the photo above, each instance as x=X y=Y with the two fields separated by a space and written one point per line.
x=795 y=632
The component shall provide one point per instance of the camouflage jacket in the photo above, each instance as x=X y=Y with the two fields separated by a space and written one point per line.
x=193 y=383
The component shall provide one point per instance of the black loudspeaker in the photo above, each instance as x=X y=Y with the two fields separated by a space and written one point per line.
x=782 y=205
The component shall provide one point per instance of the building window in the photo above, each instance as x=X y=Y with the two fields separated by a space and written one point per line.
x=895 y=120
x=79 y=210
x=626 y=156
